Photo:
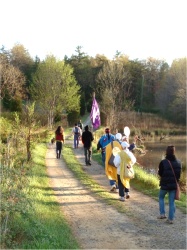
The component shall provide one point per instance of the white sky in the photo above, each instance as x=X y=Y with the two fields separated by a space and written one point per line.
x=137 y=28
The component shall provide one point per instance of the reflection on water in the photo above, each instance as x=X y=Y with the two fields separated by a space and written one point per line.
x=156 y=151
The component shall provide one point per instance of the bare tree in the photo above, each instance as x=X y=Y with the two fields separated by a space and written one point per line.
x=114 y=83
x=11 y=79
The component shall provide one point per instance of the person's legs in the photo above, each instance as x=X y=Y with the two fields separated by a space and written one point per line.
x=77 y=141
x=86 y=157
x=74 y=141
x=57 y=149
x=162 y=194
x=171 y=199
x=113 y=185
x=121 y=189
x=89 y=155
x=60 y=149
x=127 y=190
x=103 y=158
x=112 y=182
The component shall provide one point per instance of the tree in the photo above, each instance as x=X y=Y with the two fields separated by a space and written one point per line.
x=114 y=82
x=12 y=81
x=81 y=64
x=177 y=106
x=54 y=88
x=153 y=77
x=21 y=59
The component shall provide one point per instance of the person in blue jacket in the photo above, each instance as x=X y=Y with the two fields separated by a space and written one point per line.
x=102 y=143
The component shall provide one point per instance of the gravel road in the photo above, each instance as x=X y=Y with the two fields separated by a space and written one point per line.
x=97 y=225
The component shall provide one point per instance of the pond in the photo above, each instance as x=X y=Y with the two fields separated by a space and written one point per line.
x=155 y=151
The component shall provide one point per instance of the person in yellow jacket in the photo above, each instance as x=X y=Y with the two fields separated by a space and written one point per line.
x=120 y=161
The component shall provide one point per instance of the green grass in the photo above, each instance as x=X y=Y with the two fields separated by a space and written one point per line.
x=144 y=182
x=149 y=185
x=97 y=191
x=45 y=226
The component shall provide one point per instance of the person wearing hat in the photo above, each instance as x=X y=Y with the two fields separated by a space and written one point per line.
x=87 y=138
x=103 y=142
x=169 y=172
x=132 y=145
x=80 y=124
x=124 y=186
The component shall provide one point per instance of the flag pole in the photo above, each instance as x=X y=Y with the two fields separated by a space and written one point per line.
x=96 y=129
x=93 y=97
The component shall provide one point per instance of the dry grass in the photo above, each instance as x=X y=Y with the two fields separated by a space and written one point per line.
x=148 y=123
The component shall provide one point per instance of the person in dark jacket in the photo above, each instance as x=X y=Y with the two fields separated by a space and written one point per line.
x=168 y=182
x=87 y=138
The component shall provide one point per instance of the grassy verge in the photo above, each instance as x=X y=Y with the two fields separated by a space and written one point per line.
x=146 y=183
x=44 y=226
x=73 y=164
x=149 y=185
x=143 y=182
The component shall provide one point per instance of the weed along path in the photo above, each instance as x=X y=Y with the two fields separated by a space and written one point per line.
x=98 y=225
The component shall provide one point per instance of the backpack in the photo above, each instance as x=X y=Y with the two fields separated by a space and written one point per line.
x=77 y=131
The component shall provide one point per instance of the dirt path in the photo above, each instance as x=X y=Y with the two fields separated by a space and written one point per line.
x=99 y=226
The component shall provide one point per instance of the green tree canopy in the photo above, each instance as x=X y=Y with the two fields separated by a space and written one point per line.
x=54 y=88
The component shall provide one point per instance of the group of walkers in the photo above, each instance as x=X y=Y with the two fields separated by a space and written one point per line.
x=117 y=184
x=169 y=169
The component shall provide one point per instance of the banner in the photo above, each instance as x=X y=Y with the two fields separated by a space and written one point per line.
x=95 y=115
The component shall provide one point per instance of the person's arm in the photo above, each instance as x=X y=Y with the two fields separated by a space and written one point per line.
x=92 y=138
x=160 y=169
x=132 y=146
x=132 y=157
x=99 y=144
x=83 y=138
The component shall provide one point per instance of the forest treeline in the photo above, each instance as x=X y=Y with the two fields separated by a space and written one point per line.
x=66 y=87
x=35 y=94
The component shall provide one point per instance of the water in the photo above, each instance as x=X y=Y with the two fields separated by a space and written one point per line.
x=156 y=151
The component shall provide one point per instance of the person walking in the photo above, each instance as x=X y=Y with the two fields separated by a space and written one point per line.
x=102 y=143
x=120 y=139
x=76 y=131
x=87 y=138
x=80 y=124
x=168 y=178
x=124 y=185
x=110 y=170
x=59 y=138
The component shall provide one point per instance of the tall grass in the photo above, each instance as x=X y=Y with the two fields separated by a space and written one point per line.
x=149 y=184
